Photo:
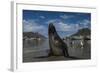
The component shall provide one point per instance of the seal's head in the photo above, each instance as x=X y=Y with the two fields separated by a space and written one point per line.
x=51 y=28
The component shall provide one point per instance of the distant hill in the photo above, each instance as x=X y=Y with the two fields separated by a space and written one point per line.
x=33 y=35
x=83 y=32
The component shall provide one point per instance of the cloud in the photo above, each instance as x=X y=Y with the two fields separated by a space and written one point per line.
x=31 y=25
x=67 y=27
x=66 y=16
x=61 y=26
x=43 y=17
x=52 y=21
x=85 y=23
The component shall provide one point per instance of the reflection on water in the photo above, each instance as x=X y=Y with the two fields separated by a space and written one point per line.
x=35 y=48
x=33 y=43
x=79 y=48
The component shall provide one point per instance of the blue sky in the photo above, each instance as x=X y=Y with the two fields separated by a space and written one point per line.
x=66 y=23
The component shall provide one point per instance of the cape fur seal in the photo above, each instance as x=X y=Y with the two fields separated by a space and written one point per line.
x=57 y=46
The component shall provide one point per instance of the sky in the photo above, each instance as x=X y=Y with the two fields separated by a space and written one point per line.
x=66 y=23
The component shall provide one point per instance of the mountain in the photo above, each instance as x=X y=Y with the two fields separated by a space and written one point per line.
x=33 y=35
x=83 y=32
